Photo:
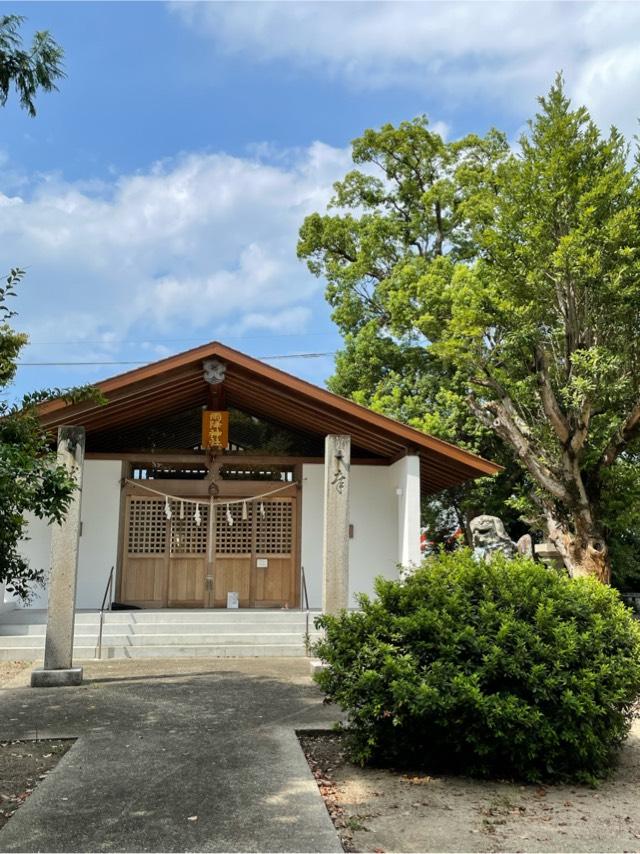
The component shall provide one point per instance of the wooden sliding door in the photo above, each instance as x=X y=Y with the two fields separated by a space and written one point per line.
x=171 y=563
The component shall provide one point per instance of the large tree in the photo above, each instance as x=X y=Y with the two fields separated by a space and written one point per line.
x=517 y=274
x=408 y=202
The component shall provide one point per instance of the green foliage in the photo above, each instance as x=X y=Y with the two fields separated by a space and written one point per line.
x=565 y=217
x=503 y=669
x=620 y=503
x=27 y=70
x=257 y=434
x=30 y=479
x=625 y=559
x=470 y=280
x=409 y=220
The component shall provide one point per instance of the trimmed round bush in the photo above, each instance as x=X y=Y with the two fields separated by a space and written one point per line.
x=503 y=669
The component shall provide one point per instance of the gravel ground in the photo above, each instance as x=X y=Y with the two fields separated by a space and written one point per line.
x=23 y=764
x=12 y=670
x=379 y=810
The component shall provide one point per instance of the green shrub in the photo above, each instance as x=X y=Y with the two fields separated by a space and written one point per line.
x=504 y=669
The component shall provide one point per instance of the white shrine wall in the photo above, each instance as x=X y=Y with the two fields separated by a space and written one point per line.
x=98 y=542
x=385 y=514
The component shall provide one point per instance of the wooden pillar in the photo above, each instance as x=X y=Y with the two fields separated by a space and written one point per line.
x=58 y=654
x=337 y=484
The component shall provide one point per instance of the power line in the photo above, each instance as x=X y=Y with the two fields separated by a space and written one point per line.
x=66 y=364
x=108 y=342
x=69 y=364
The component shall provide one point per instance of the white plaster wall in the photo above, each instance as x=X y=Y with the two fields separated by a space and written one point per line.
x=36 y=550
x=386 y=528
x=373 y=550
x=99 y=541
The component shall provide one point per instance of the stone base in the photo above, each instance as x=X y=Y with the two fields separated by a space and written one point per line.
x=316 y=666
x=41 y=677
x=548 y=555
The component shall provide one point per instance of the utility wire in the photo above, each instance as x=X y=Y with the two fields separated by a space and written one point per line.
x=147 y=362
x=108 y=341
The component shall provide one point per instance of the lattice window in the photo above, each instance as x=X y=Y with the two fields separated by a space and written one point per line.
x=144 y=471
x=147 y=526
x=237 y=538
x=237 y=471
x=275 y=529
x=186 y=536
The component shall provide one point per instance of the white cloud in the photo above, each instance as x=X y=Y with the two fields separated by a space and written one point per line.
x=609 y=85
x=288 y=321
x=461 y=50
x=197 y=246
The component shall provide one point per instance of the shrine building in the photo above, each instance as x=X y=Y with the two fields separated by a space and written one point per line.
x=213 y=480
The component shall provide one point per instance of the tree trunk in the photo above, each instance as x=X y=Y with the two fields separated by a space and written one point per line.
x=583 y=551
x=590 y=558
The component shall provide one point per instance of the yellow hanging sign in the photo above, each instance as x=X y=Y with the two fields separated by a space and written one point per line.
x=215 y=429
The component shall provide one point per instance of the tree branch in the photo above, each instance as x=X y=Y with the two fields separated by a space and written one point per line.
x=437 y=249
x=550 y=404
x=626 y=433
x=505 y=399
x=582 y=428
x=506 y=427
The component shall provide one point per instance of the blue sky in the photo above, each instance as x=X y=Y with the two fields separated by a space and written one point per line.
x=155 y=199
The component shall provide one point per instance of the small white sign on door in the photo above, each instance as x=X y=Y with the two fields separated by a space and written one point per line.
x=233 y=600
x=262 y=562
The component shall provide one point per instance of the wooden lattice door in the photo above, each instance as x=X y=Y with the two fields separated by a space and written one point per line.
x=256 y=557
x=233 y=553
x=274 y=566
x=188 y=556
x=170 y=562
x=145 y=564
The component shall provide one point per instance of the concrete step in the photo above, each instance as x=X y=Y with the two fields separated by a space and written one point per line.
x=168 y=633
x=85 y=653
x=203 y=651
x=109 y=628
x=162 y=639
x=214 y=614
x=24 y=615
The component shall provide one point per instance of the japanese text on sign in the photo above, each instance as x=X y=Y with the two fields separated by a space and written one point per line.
x=215 y=429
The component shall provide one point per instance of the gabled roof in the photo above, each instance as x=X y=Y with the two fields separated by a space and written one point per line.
x=174 y=384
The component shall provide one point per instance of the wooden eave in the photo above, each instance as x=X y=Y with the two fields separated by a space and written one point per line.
x=174 y=384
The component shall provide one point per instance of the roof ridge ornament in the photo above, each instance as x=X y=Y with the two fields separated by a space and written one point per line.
x=214 y=371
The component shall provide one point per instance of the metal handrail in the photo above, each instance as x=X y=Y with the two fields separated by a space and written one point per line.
x=305 y=603
x=107 y=593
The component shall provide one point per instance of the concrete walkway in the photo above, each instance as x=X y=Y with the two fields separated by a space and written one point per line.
x=173 y=755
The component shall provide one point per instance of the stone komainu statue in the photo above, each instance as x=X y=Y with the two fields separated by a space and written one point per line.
x=489 y=536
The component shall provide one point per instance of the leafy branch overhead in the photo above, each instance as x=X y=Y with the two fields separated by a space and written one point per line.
x=27 y=69
x=512 y=279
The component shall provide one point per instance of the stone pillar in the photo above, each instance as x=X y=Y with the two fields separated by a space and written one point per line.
x=58 y=654
x=337 y=483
